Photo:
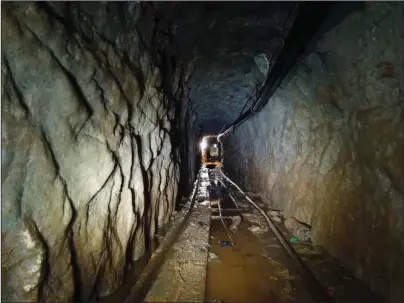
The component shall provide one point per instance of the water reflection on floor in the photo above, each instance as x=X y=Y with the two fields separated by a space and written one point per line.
x=245 y=273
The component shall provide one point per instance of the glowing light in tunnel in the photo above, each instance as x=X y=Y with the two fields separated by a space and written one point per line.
x=203 y=144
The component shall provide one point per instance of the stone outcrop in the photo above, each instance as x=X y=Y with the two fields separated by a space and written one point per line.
x=328 y=147
x=90 y=159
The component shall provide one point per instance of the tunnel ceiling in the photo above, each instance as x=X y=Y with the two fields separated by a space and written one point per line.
x=220 y=41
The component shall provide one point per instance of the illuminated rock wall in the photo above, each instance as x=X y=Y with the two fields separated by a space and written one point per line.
x=328 y=147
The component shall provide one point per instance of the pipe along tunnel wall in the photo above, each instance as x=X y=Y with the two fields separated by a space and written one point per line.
x=100 y=130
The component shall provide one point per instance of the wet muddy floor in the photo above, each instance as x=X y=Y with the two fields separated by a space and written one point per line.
x=250 y=270
x=245 y=273
x=253 y=268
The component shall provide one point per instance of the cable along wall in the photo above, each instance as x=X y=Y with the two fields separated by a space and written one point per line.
x=328 y=147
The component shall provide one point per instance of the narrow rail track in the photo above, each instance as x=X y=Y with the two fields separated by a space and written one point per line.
x=226 y=248
x=313 y=286
x=240 y=273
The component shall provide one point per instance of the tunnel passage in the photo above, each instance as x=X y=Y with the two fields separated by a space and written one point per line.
x=103 y=106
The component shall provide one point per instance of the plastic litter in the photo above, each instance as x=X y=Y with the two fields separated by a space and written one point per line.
x=293 y=239
x=298 y=229
x=223 y=243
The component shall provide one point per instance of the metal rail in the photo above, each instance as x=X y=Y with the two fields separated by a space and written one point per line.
x=139 y=291
x=317 y=291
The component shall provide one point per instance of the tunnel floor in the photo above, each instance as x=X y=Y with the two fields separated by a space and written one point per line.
x=250 y=271
x=251 y=266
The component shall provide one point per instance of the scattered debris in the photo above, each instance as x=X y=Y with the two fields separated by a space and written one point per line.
x=283 y=272
x=298 y=229
x=213 y=257
x=236 y=221
x=272 y=261
x=287 y=288
x=204 y=203
x=275 y=215
x=214 y=202
x=255 y=217
x=293 y=239
x=223 y=243
x=255 y=229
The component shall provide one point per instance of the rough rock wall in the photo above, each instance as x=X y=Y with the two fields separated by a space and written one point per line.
x=190 y=162
x=90 y=164
x=190 y=128
x=328 y=147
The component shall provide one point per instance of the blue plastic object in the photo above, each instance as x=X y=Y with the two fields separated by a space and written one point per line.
x=224 y=243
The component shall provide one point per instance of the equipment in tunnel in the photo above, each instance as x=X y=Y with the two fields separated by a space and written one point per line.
x=211 y=152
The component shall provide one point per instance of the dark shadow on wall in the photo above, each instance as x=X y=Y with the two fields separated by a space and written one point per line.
x=340 y=11
x=146 y=192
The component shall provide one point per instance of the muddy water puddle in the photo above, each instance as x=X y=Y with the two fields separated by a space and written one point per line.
x=245 y=272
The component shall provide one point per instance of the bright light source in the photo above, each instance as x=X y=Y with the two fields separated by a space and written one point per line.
x=203 y=144
x=214 y=145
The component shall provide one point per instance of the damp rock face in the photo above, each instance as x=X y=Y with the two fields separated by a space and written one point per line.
x=90 y=159
x=328 y=147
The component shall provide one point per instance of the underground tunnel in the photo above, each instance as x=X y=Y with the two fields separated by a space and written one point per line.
x=104 y=106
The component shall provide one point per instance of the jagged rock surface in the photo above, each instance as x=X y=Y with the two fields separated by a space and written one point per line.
x=89 y=157
x=222 y=41
x=328 y=147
